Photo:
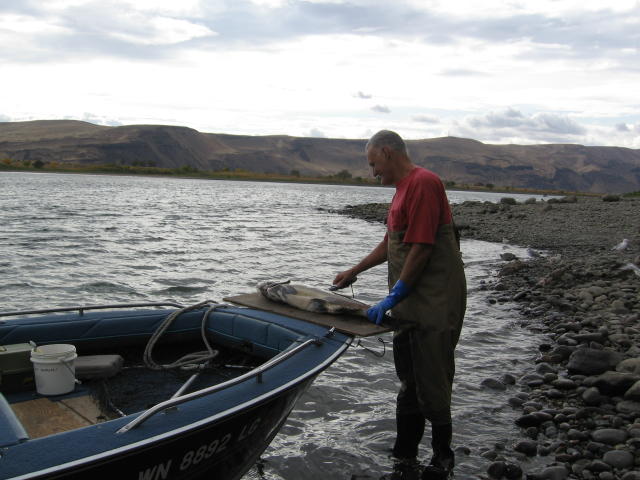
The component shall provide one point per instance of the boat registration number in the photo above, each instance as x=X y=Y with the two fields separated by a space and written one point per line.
x=195 y=456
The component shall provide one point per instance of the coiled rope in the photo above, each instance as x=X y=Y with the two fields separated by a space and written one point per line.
x=191 y=361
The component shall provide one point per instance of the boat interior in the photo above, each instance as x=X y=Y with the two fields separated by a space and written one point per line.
x=119 y=380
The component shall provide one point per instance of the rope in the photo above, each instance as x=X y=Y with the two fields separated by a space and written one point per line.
x=377 y=354
x=191 y=361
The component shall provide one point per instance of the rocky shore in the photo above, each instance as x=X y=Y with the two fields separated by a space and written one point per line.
x=579 y=406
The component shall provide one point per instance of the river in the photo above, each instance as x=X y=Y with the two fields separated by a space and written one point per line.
x=88 y=239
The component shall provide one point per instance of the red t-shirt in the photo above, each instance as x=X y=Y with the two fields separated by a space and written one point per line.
x=419 y=207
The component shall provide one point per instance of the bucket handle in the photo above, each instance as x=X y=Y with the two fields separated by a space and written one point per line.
x=64 y=362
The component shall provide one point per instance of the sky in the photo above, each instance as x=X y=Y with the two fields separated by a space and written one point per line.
x=523 y=72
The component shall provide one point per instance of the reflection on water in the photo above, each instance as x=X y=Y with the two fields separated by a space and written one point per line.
x=79 y=239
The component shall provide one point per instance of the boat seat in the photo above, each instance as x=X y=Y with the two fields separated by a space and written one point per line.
x=261 y=336
x=11 y=430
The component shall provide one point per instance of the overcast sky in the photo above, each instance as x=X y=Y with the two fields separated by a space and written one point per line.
x=543 y=71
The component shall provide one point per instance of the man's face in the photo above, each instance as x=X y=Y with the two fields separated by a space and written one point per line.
x=379 y=161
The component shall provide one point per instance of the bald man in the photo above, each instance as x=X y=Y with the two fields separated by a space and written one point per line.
x=427 y=299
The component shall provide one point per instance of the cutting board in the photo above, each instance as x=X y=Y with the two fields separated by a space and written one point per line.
x=349 y=324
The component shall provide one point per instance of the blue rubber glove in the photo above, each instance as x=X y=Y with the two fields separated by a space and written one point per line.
x=398 y=293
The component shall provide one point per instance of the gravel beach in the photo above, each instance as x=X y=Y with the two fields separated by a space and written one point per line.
x=579 y=407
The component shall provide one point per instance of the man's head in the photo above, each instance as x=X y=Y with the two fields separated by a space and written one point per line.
x=387 y=156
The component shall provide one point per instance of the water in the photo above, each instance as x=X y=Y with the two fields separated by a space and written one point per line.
x=80 y=239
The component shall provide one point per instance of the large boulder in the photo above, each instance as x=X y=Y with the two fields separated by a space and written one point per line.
x=589 y=361
x=615 y=383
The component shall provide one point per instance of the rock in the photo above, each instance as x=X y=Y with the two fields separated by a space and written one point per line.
x=508 y=379
x=579 y=466
x=633 y=393
x=588 y=361
x=512 y=267
x=633 y=475
x=533 y=419
x=589 y=337
x=520 y=295
x=628 y=407
x=563 y=351
x=515 y=402
x=596 y=290
x=564 y=384
x=630 y=365
x=618 y=459
x=543 y=368
x=462 y=450
x=610 y=198
x=508 y=256
x=609 y=436
x=528 y=447
x=599 y=466
x=592 y=396
x=512 y=471
x=508 y=201
x=532 y=380
x=556 y=472
x=621 y=339
x=496 y=470
x=573 y=434
x=493 y=384
x=554 y=393
x=615 y=383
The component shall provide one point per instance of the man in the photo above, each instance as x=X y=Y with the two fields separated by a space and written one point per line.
x=427 y=298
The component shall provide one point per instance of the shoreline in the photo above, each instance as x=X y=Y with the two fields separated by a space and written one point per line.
x=580 y=404
x=300 y=180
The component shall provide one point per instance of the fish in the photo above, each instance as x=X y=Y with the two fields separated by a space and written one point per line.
x=311 y=299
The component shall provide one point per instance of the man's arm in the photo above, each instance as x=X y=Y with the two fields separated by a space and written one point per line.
x=415 y=263
x=377 y=256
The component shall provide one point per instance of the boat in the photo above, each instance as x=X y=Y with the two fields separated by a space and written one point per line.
x=143 y=420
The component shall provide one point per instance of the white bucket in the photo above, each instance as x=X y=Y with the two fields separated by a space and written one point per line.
x=54 y=368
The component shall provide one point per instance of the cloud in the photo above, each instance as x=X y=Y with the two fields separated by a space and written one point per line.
x=511 y=125
x=4 y=118
x=314 y=132
x=425 y=119
x=362 y=95
x=77 y=28
x=461 y=72
x=163 y=31
x=381 y=109
x=622 y=127
x=100 y=120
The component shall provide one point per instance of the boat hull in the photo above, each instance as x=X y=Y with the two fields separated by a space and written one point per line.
x=217 y=433
x=221 y=449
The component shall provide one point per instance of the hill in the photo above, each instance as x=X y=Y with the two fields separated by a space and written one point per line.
x=554 y=166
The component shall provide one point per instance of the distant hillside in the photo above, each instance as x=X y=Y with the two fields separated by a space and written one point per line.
x=560 y=167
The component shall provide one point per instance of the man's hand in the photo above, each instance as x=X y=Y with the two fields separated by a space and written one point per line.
x=344 y=279
x=398 y=293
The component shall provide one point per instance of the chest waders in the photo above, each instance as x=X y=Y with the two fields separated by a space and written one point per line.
x=428 y=324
